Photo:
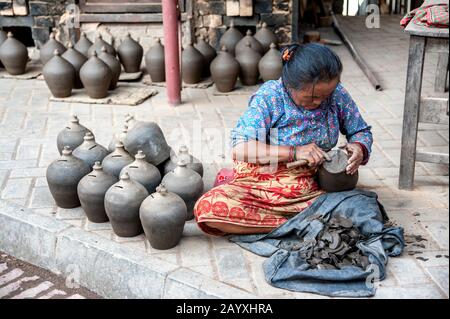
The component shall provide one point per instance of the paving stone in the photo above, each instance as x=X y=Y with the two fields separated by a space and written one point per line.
x=439 y=231
x=423 y=291
x=407 y=271
x=17 y=188
x=195 y=251
x=440 y=277
x=71 y=213
x=28 y=152
x=41 y=198
x=28 y=172
x=231 y=263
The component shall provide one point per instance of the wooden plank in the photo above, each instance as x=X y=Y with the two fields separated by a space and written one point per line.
x=20 y=7
x=411 y=111
x=295 y=20
x=432 y=157
x=232 y=8
x=437 y=45
x=434 y=110
x=414 y=29
x=246 y=8
x=441 y=73
x=124 y=17
x=122 y=8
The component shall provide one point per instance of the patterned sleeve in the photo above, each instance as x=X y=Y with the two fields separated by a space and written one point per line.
x=254 y=124
x=351 y=123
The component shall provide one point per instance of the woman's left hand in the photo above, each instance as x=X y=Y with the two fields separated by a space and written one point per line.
x=356 y=157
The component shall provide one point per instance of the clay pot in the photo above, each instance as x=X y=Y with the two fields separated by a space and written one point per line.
x=183 y=154
x=332 y=175
x=77 y=60
x=91 y=192
x=122 y=203
x=155 y=63
x=142 y=172
x=96 y=77
x=130 y=120
x=265 y=37
x=192 y=64
x=47 y=51
x=114 y=66
x=186 y=183
x=3 y=38
x=63 y=176
x=130 y=54
x=114 y=162
x=117 y=138
x=59 y=75
x=99 y=43
x=163 y=215
x=208 y=53
x=83 y=45
x=72 y=135
x=148 y=137
x=254 y=44
x=14 y=56
x=230 y=38
x=271 y=64
x=89 y=151
x=248 y=61
x=225 y=71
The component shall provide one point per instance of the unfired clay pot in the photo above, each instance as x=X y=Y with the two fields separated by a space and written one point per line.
x=114 y=162
x=254 y=44
x=83 y=45
x=3 y=38
x=91 y=192
x=208 y=53
x=117 y=138
x=271 y=64
x=154 y=61
x=265 y=36
x=114 y=66
x=72 y=135
x=143 y=172
x=96 y=77
x=225 y=71
x=186 y=183
x=183 y=154
x=163 y=215
x=14 y=55
x=130 y=54
x=230 y=38
x=63 y=176
x=89 y=151
x=99 y=43
x=77 y=60
x=332 y=175
x=248 y=61
x=59 y=75
x=122 y=203
x=46 y=52
x=192 y=64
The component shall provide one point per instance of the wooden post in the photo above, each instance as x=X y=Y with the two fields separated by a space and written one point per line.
x=441 y=73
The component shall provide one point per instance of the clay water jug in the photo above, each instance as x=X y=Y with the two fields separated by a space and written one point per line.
x=143 y=172
x=72 y=135
x=114 y=66
x=115 y=161
x=122 y=203
x=117 y=138
x=225 y=71
x=265 y=37
x=63 y=176
x=155 y=63
x=14 y=55
x=230 y=38
x=91 y=192
x=77 y=60
x=148 y=137
x=59 y=75
x=130 y=54
x=254 y=44
x=186 y=183
x=192 y=64
x=248 y=61
x=3 y=38
x=89 y=151
x=332 y=175
x=46 y=52
x=163 y=215
x=99 y=43
x=271 y=65
x=96 y=77
x=83 y=45
x=183 y=154
x=208 y=53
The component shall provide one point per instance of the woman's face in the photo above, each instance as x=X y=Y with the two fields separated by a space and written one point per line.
x=311 y=97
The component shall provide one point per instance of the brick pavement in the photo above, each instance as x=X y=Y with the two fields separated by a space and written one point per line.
x=29 y=124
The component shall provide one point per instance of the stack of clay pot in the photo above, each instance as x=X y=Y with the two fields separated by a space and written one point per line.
x=142 y=186
x=13 y=54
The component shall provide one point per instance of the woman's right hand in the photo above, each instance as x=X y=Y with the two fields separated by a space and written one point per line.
x=312 y=153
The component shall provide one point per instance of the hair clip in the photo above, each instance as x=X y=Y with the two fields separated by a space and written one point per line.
x=286 y=55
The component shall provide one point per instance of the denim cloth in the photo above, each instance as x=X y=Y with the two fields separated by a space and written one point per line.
x=286 y=269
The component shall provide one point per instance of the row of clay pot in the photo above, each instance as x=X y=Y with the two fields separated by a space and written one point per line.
x=13 y=54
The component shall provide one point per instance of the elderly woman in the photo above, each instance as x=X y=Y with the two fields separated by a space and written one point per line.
x=296 y=117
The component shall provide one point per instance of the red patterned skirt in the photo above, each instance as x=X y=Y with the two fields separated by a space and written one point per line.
x=257 y=197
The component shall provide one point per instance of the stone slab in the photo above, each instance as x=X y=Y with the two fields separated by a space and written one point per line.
x=201 y=85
